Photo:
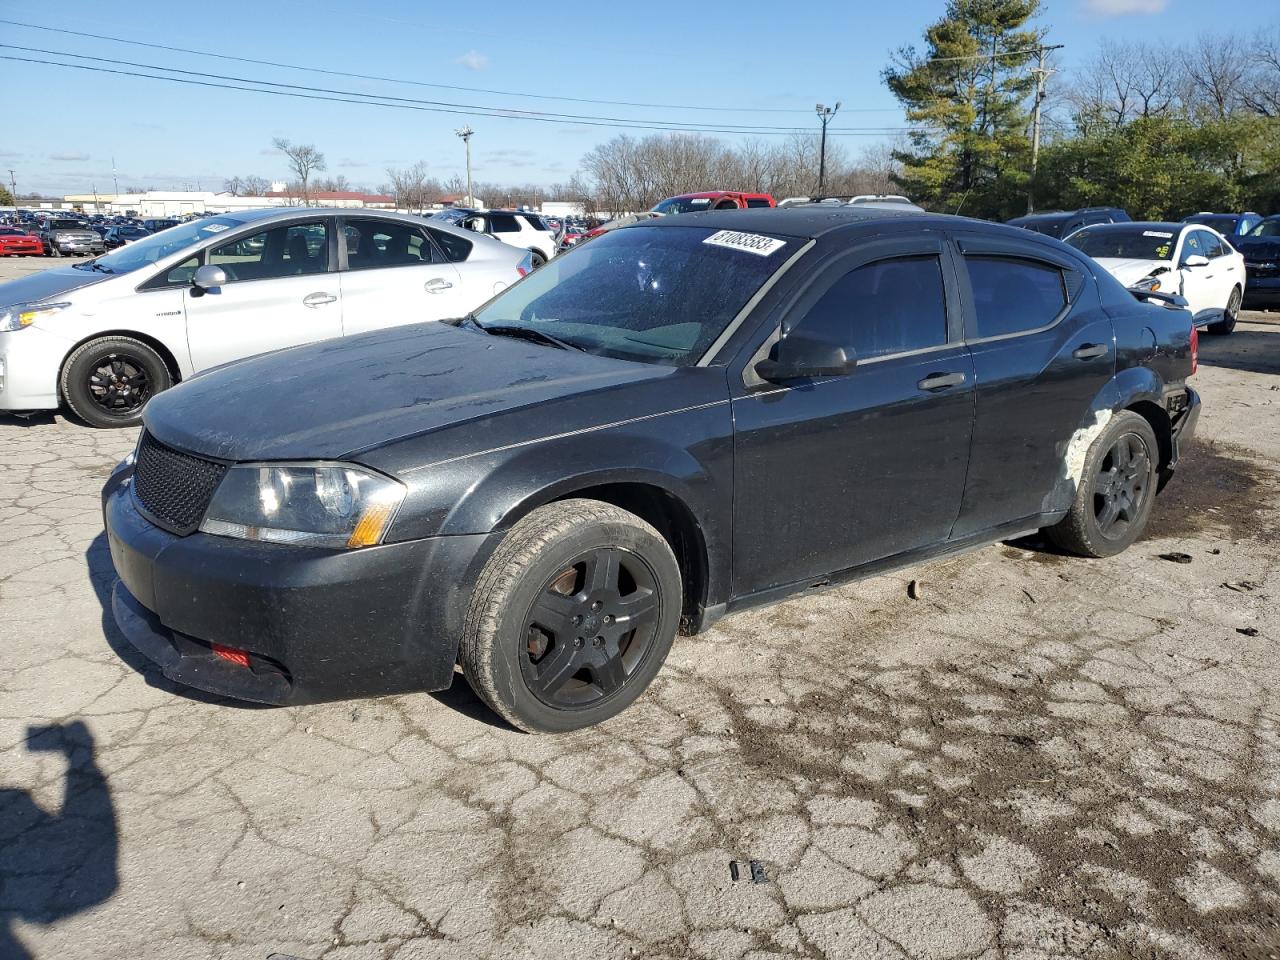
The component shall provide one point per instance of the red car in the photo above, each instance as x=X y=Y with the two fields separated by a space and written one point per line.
x=713 y=200
x=19 y=243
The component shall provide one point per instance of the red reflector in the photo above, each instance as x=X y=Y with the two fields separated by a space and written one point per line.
x=238 y=657
x=1195 y=349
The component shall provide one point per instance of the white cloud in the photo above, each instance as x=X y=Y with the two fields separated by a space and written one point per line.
x=70 y=157
x=1116 y=8
x=473 y=60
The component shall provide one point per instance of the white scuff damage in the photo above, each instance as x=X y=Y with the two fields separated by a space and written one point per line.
x=1078 y=447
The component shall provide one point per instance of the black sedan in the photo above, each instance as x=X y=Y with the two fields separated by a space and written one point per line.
x=678 y=420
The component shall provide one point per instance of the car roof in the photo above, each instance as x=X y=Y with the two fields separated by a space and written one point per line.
x=817 y=219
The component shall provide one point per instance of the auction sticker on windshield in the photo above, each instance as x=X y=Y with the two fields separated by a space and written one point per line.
x=750 y=242
x=1156 y=233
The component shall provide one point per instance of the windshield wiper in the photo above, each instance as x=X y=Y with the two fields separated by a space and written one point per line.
x=525 y=333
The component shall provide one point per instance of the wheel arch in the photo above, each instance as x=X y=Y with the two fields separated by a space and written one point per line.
x=156 y=344
x=1161 y=425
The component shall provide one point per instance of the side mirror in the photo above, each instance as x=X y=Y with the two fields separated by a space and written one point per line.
x=1195 y=260
x=208 y=277
x=798 y=356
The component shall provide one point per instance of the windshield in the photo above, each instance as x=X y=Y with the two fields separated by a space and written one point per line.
x=1049 y=227
x=683 y=205
x=1267 y=228
x=1223 y=223
x=68 y=225
x=1125 y=243
x=157 y=246
x=652 y=295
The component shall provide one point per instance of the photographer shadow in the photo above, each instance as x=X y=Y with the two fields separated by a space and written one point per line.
x=53 y=866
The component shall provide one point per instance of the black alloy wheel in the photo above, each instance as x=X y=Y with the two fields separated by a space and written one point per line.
x=590 y=628
x=107 y=382
x=120 y=385
x=572 y=616
x=1122 y=486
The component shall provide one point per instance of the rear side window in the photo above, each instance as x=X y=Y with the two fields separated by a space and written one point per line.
x=757 y=202
x=891 y=306
x=504 y=223
x=455 y=248
x=535 y=222
x=373 y=244
x=1011 y=296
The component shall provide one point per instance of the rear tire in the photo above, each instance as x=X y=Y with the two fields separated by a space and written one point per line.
x=1229 y=316
x=572 y=617
x=536 y=259
x=1116 y=491
x=106 y=382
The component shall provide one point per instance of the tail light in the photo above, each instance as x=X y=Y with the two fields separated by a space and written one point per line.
x=231 y=654
x=1195 y=347
x=525 y=266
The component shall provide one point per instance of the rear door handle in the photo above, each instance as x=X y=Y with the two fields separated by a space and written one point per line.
x=318 y=299
x=940 y=381
x=437 y=285
x=1090 y=351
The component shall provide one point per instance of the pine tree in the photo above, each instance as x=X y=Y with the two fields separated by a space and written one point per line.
x=969 y=91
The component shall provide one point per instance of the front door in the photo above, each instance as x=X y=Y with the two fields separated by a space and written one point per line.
x=280 y=292
x=394 y=274
x=1205 y=287
x=840 y=471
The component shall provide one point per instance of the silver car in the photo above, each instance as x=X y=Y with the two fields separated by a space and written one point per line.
x=104 y=335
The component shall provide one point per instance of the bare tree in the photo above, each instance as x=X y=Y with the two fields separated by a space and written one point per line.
x=1218 y=74
x=1124 y=81
x=412 y=187
x=233 y=186
x=255 y=186
x=304 y=160
x=1261 y=92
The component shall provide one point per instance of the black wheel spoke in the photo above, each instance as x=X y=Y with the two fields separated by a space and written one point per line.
x=638 y=607
x=1120 y=453
x=1110 y=511
x=553 y=609
x=602 y=571
x=608 y=673
x=553 y=672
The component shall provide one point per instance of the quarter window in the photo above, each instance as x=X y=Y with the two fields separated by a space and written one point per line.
x=456 y=248
x=286 y=251
x=757 y=202
x=1012 y=296
x=503 y=223
x=891 y=306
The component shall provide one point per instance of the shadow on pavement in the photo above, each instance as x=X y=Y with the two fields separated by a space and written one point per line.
x=55 y=865
x=1253 y=348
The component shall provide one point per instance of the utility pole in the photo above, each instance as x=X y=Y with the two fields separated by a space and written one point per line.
x=825 y=114
x=13 y=188
x=115 y=179
x=1042 y=74
x=465 y=133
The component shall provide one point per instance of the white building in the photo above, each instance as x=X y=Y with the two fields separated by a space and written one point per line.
x=179 y=203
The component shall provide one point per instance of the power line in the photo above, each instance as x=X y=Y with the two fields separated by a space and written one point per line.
x=419 y=83
x=497 y=112
x=491 y=111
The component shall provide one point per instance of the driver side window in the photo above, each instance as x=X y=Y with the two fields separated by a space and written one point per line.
x=886 y=307
x=1193 y=246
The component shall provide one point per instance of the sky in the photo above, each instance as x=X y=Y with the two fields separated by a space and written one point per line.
x=60 y=127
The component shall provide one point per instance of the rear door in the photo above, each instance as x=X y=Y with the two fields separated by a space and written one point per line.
x=1042 y=350
x=281 y=290
x=393 y=274
x=840 y=471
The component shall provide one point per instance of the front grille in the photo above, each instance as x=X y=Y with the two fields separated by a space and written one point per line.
x=174 y=488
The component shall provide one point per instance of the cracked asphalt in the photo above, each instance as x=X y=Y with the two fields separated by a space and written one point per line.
x=1037 y=757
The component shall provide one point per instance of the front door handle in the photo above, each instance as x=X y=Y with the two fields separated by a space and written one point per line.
x=940 y=381
x=318 y=299
x=437 y=285
x=1090 y=351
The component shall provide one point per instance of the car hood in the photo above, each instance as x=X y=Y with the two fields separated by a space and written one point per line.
x=1131 y=271
x=1258 y=248
x=77 y=234
x=47 y=285
x=331 y=399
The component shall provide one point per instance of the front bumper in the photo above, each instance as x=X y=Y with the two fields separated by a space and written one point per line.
x=21 y=248
x=29 y=364
x=77 y=246
x=1262 y=292
x=317 y=624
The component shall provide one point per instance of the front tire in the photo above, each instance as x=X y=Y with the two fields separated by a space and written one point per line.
x=1229 y=316
x=106 y=382
x=1116 y=491
x=572 y=617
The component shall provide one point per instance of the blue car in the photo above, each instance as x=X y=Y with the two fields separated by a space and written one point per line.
x=1230 y=225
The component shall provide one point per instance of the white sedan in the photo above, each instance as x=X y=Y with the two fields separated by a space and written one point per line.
x=1187 y=259
x=105 y=335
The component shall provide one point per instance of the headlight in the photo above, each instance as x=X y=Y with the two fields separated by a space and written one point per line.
x=25 y=314
x=316 y=504
x=1150 y=284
